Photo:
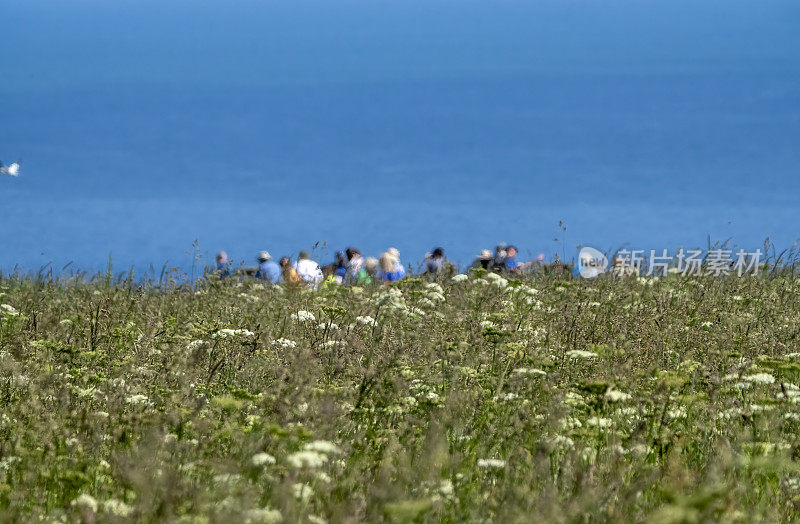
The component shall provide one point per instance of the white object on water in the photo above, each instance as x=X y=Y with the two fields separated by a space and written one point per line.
x=12 y=170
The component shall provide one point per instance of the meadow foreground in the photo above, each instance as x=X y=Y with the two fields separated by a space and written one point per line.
x=477 y=398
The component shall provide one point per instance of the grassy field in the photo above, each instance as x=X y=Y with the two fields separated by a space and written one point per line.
x=474 y=399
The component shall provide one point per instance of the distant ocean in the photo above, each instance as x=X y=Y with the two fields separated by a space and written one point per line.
x=144 y=127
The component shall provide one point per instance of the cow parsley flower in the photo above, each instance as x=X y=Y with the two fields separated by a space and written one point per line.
x=581 y=354
x=459 y=278
x=194 y=344
x=8 y=310
x=117 y=508
x=231 y=333
x=366 y=320
x=303 y=316
x=302 y=492
x=760 y=378
x=85 y=501
x=529 y=371
x=262 y=459
x=306 y=458
x=263 y=516
x=137 y=400
x=285 y=343
x=599 y=422
x=615 y=395
x=491 y=463
x=562 y=441
x=322 y=446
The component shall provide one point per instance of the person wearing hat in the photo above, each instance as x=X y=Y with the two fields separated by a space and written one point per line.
x=484 y=260
x=308 y=270
x=267 y=268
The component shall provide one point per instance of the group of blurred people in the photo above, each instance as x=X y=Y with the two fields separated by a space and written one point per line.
x=350 y=267
x=504 y=258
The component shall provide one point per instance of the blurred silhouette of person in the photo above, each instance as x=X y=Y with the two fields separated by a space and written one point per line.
x=307 y=269
x=434 y=261
x=399 y=270
x=290 y=276
x=512 y=264
x=222 y=267
x=355 y=263
x=267 y=269
x=483 y=261
x=389 y=268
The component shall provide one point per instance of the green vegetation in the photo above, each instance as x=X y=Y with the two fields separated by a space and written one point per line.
x=472 y=399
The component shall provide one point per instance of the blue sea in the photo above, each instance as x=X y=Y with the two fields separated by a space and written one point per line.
x=157 y=133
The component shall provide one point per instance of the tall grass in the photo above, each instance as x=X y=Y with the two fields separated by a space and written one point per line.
x=547 y=399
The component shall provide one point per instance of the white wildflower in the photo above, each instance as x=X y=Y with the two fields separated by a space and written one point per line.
x=366 y=320
x=760 y=378
x=433 y=286
x=574 y=399
x=614 y=395
x=85 y=501
x=562 y=441
x=231 y=333
x=581 y=354
x=262 y=459
x=194 y=344
x=570 y=423
x=677 y=413
x=303 y=316
x=436 y=296
x=117 y=508
x=506 y=397
x=459 y=278
x=285 y=343
x=599 y=422
x=322 y=446
x=8 y=310
x=496 y=280
x=302 y=492
x=263 y=516
x=491 y=463
x=138 y=400
x=309 y=459
x=529 y=371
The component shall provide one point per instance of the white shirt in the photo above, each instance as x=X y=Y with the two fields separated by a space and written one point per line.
x=309 y=271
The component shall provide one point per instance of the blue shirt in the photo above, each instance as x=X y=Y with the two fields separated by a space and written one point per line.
x=224 y=270
x=392 y=276
x=269 y=270
x=511 y=262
